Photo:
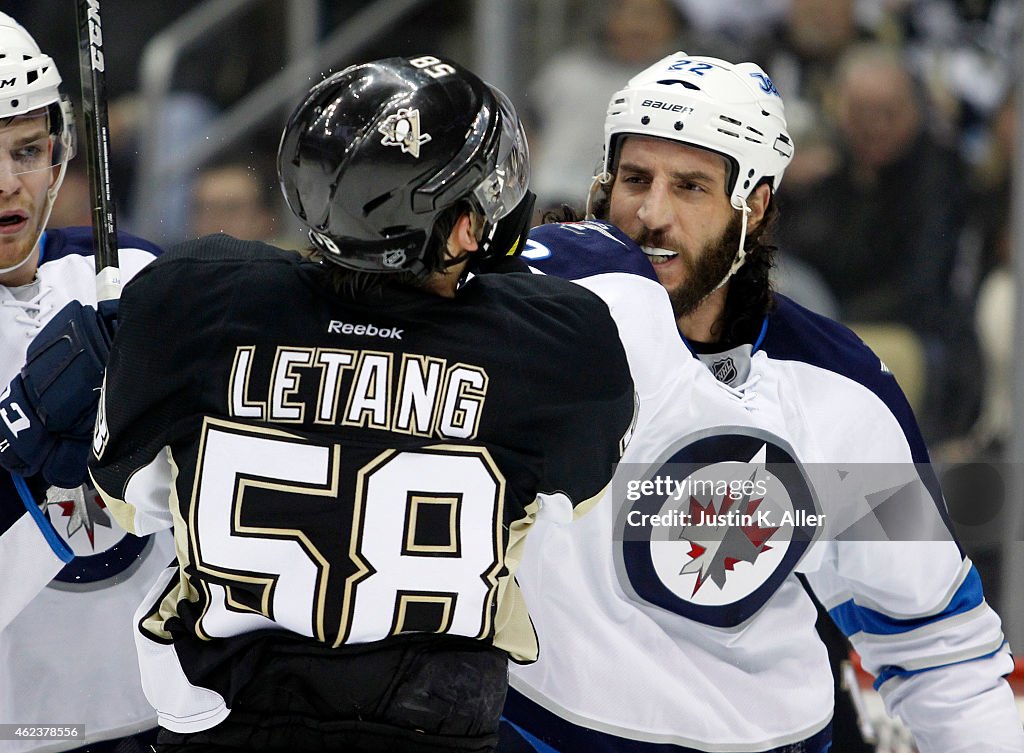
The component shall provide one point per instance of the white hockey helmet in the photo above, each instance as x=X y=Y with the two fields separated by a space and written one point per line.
x=30 y=85
x=29 y=81
x=732 y=109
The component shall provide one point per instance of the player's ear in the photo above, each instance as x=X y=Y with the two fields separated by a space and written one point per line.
x=758 y=203
x=464 y=234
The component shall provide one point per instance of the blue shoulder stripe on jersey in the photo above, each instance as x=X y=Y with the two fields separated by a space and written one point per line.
x=890 y=672
x=52 y=538
x=574 y=250
x=853 y=618
x=66 y=241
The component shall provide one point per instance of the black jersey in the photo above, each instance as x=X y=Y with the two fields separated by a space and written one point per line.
x=342 y=470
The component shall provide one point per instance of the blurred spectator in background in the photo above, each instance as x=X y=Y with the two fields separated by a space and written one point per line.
x=987 y=272
x=567 y=100
x=208 y=77
x=235 y=196
x=964 y=51
x=883 y=229
x=796 y=279
x=738 y=21
x=73 y=207
x=801 y=49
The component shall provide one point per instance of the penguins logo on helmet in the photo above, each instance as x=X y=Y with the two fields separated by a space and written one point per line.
x=346 y=181
x=403 y=130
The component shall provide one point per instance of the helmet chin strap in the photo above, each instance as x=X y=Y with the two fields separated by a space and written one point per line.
x=741 y=252
x=24 y=261
x=598 y=182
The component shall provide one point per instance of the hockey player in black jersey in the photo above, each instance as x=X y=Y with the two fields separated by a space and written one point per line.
x=351 y=447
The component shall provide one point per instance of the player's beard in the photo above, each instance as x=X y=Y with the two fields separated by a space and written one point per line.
x=703 y=273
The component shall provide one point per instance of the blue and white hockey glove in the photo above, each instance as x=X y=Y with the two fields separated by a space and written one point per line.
x=47 y=412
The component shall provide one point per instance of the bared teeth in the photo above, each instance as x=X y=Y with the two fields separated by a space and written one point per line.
x=658 y=255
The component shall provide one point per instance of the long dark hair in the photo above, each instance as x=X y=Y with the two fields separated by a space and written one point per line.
x=750 y=291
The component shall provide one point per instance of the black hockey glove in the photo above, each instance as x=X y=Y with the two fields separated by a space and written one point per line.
x=47 y=412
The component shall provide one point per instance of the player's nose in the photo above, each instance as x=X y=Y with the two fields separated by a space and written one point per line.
x=9 y=181
x=654 y=211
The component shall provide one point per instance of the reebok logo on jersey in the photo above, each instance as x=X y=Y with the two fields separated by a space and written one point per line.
x=368 y=330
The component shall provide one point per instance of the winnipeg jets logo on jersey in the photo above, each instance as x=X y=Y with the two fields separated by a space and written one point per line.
x=733 y=527
x=403 y=130
x=103 y=550
x=712 y=531
x=80 y=511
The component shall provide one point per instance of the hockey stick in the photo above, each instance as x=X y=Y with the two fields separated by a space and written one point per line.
x=97 y=136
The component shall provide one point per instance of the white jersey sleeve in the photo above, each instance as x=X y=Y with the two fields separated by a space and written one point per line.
x=71 y=578
x=29 y=547
x=891 y=574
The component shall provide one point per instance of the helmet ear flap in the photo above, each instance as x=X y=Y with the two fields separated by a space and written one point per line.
x=506 y=237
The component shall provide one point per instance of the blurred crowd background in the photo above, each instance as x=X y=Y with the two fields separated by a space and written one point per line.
x=895 y=213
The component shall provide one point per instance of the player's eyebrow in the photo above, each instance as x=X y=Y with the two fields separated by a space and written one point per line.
x=680 y=176
x=39 y=134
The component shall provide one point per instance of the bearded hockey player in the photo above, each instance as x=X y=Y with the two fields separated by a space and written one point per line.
x=659 y=633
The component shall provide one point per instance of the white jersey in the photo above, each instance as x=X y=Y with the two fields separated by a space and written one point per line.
x=673 y=617
x=70 y=577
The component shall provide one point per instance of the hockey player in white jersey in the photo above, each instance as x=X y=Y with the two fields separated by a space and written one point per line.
x=688 y=639
x=70 y=577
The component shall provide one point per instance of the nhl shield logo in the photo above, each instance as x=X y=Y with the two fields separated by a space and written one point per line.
x=724 y=369
x=394 y=258
x=403 y=130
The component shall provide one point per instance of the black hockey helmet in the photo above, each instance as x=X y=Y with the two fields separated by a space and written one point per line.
x=376 y=153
